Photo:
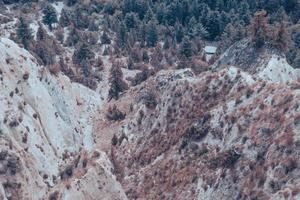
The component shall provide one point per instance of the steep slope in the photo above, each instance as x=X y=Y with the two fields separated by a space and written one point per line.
x=267 y=63
x=228 y=134
x=221 y=135
x=46 y=138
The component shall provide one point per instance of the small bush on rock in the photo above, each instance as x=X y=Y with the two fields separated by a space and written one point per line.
x=150 y=100
x=226 y=159
x=114 y=114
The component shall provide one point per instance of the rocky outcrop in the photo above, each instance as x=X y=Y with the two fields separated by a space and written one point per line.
x=220 y=135
x=266 y=62
x=46 y=134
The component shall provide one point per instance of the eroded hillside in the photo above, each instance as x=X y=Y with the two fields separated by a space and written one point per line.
x=222 y=135
x=117 y=100
x=47 y=145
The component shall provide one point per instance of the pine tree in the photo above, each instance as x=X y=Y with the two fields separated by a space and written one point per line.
x=291 y=5
x=117 y=84
x=220 y=4
x=50 y=16
x=160 y=13
x=41 y=33
x=230 y=5
x=252 y=4
x=296 y=61
x=260 y=38
x=204 y=11
x=213 y=25
x=24 y=33
x=192 y=32
x=71 y=2
x=122 y=35
x=132 y=38
x=105 y=39
x=151 y=34
x=271 y=5
x=141 y=76
x=260 y=28
x=297 y=39
x=64 y=19
x=178 y=32
x=83 y=54
x=86 y=68
x=157 y=57
x=166 y=43
x=130 y=63
x=136 y=54
x=83 y=58
x=186 y=50
x=146 y=57
x=142 y=33
x=245 y=12
x=231 y=34
x=74 y=36
x=106 y=51
x=201 y=31
x=184 y=11
x=281 y=38
x=45 y=47
x=131 y=20
x=93 y=25
x=110 y=8
x=149 y=16
x=45 y=51
x=81 y=18
x=59 y=35
x=279 y=16
x=226 y=19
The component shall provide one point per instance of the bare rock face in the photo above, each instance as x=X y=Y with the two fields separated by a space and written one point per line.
x=266 y=63
x=46 y=136
x=220 y=135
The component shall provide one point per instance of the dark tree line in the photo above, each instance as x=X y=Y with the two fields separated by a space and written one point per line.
x=24 y=33
x=174 y=30
x=226 y=21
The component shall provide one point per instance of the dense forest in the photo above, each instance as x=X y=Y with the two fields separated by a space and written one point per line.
x=161 y=33
x=188 y=22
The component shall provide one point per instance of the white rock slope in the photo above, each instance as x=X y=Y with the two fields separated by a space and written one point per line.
x=46 y=123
